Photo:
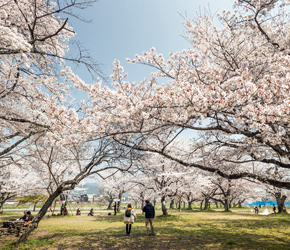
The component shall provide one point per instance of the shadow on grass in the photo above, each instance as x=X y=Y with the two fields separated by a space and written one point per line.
x=170 y=237
x=246 y=234
x=176 y=232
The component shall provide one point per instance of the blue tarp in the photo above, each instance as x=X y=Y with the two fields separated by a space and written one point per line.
x=268 y=203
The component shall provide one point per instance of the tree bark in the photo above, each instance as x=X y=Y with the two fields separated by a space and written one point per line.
x=226 y=205
x=179 y=205
x=206 y=204
x=1 y=207
x=171 y=204
x=35 y=203
x=189 y=205
x=280 y=202
x=164 y=208
x=110 y=204
x=201 y=204
x=120 y=201
x=38 y=217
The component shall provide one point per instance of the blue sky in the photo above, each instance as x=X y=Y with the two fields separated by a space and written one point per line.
x=122 y=28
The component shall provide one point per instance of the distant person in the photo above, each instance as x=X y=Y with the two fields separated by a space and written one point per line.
x=274 y=208
x=24 y=217
x=115 y=208
x=129 y=218
x=256 y=208
x=149 y=211
x=64 y=212
x=78 y=212
x=91 y=213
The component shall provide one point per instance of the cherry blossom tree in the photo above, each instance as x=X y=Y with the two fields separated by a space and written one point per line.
x=34 y=95
x=232 y=86
x=14 y=182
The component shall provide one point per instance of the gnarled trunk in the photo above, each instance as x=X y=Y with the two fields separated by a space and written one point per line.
x=164 y=208
x=206 y=204
x=216 y=204
x=110 y=204
x=171 y=206
x=120 y=201
x=1 y=207
x=189 y=205
x=280 y=202
x=226 y=205
x=201 y=204
x=38 y=217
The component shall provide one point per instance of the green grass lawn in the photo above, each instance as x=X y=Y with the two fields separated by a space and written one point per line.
x=239 y=229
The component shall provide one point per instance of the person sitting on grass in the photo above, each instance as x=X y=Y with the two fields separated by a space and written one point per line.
x=29 y=218
x=91 y=213
x=24 y=217
x=129 y=218
x=78 y=212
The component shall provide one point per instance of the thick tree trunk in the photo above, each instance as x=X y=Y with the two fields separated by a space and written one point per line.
x=164 y=208
x=1 y=207
x=120 y=201
x=34 y=206
x=216 y=204
x=240 y=204
x=280 y=202
x=226 y=205
x=189 y=205
x=184 y=205
x=201 y=204
x=171 y=204
x=154 y=202
x=38 y=217
x=179 y=206
x=206 y=204
x=110 y=204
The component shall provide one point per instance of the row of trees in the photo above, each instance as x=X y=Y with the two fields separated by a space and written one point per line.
x=229 y=93
x=160 y=179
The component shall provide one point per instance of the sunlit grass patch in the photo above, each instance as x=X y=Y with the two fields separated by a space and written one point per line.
x=179 y=230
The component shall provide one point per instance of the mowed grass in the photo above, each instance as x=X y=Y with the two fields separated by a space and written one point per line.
x=196 y=229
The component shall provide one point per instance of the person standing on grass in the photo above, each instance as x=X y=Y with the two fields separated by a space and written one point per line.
x=115 y=208
x=129 y=218
x=149 y=211
x=274 y=208
x=256 y=208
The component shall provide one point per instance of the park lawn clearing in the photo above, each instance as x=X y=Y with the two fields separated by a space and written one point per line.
x=186 y=230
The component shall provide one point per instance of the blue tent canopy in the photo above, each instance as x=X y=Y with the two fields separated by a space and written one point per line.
x=268 y=203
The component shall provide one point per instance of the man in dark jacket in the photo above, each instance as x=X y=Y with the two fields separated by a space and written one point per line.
x=149 y=211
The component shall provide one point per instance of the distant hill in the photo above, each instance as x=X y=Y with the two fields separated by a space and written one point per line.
x=91 y=188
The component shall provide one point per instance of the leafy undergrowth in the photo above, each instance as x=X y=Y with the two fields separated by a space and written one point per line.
x=185 y=230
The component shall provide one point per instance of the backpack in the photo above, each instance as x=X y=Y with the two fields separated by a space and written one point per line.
x=128 y=213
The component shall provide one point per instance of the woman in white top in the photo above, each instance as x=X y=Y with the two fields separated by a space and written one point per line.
x=129 y=218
